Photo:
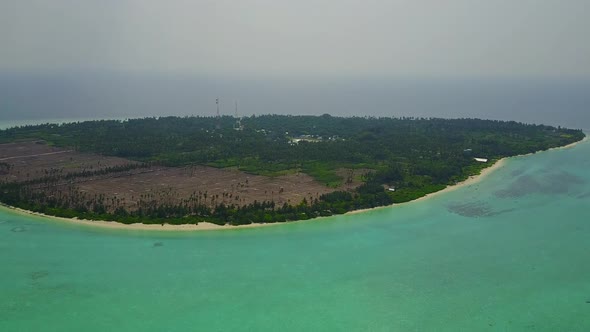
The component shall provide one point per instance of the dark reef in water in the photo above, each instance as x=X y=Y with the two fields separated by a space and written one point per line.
x=551 y=184
x=474 y=209
x=39 y=274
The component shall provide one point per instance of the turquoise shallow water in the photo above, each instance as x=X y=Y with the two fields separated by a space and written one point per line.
x=510 y=253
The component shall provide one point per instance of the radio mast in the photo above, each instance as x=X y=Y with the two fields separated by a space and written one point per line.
x=238 y=125
x=218 y=125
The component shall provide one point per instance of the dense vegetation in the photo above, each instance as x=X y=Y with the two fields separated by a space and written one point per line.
x=416 y=156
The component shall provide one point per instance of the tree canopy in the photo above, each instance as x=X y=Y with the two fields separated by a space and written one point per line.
x=414 y=155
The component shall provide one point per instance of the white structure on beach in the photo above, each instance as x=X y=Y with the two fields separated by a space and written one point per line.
x=481 y=160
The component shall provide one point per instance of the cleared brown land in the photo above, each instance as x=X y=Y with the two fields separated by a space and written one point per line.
x=33 y=160
x=155 y=184
x=11 y=150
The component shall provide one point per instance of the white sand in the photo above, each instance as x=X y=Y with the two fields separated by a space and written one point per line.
x=204 y=226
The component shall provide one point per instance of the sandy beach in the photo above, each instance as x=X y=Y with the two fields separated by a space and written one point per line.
x=201 y=226
x=469 y=181
x=206 y=226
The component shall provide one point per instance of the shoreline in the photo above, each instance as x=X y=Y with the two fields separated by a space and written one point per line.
x=201 y=226
x=473 y=179
x=206 y=226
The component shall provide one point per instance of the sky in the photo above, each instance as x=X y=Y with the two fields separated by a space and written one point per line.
x=522 y=60
x=303 y=38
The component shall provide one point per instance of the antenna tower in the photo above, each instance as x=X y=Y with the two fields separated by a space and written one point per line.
x=218 y=117
x=238 y=125
x=217 y=103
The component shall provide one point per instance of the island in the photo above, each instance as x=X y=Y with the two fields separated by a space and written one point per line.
x=249 y=170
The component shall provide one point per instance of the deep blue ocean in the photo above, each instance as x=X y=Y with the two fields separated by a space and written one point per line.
x=36 y=97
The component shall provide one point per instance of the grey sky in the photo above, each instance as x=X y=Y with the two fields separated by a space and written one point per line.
x=303 y=37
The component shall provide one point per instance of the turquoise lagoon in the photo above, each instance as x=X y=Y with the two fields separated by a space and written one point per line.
x=509 y=253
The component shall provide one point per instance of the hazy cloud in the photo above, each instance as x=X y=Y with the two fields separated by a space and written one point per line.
x=304 y=37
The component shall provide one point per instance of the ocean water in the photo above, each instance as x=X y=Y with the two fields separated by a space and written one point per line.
x=26 y=98
x=509 y=253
